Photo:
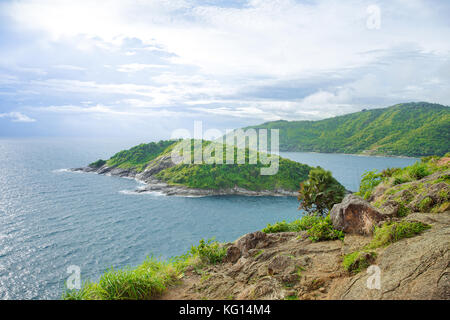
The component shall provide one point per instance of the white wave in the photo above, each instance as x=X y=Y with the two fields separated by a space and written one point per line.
x=134 y=192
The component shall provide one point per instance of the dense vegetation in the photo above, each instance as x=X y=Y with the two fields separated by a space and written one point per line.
x=320 y=192
x=149 y=279
x=212 y=176
x=318 y=228
x=136 y=157
x=421 y=187
x=409 y=129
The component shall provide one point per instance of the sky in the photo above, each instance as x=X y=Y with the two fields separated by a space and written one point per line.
x=123 y=68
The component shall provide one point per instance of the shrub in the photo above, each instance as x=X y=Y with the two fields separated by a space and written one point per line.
x=370 y=179
x=144 y=282
x=403 y=210
x=209 y=251
x=320 y=192
x=282 y=226
x=304 y=223
x=391 y=232
x=358 y=260
x=425 y=204
x=400 y=180
x=389 y=172
x=418 y=170
x=323 y=230
x=97 y=164
x=149 y=279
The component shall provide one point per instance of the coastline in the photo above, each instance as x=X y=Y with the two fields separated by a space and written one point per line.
x=359 y=154
x=152 y=185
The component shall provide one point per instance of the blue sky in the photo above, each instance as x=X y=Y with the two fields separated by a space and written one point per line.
x=145 y=68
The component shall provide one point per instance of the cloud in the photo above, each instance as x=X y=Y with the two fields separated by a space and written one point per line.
x=17 y=117
x=245 y=60
x=69 y=67
x=135 y=67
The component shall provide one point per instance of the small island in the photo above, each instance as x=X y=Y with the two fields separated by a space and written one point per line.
x=152 y=164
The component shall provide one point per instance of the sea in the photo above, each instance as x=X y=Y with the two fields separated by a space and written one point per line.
x=51 y=218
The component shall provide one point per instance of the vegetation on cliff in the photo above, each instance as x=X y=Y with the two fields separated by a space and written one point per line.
x=149 y=279
x=214 y=176
x=421 y=187
x=137 y=157
x=408 y=129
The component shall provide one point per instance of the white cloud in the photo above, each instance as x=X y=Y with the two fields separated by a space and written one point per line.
x=135 y=67
x=17 y=117
x=69 y=67
x=265 y=59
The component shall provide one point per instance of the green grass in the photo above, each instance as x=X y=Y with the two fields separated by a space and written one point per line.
x=358 y=260
x=324 y=231
x=318 y=228
x=148 y=280
x=139 y=156
x=394 y=231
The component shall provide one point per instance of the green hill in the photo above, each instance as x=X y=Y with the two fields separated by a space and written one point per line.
x=155 y=158
x=408 y=129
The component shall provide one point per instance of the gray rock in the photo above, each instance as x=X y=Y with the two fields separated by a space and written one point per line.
x=355 y=215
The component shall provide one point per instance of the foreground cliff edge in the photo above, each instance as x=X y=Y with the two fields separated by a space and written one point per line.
x=396 y=227
x=152 y=164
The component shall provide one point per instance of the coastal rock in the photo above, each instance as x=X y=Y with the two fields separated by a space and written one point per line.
x=355 y=215
x=412 y=268
x=415 y=268
x=253 y=240
x=233 y=254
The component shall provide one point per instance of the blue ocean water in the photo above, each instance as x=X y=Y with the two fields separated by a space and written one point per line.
x=51 y=219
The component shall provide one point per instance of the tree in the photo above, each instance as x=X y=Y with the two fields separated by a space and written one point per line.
x=320 y=192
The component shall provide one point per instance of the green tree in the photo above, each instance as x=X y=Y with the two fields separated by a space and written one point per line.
x=320 y=192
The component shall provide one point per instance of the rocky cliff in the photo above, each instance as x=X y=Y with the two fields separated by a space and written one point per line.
x=408 y=252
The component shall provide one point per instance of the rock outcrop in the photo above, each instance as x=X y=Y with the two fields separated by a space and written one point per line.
x=355 y=215
x=289 y=265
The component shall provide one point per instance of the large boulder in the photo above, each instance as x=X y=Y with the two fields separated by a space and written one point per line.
x=355 y=215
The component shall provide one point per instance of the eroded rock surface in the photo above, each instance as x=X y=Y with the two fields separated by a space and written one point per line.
x=355 y=215
x=281 y=265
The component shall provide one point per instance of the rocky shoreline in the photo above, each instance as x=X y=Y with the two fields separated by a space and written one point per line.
x=155 y=185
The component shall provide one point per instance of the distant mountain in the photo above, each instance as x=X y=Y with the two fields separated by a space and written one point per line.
x=407 y=129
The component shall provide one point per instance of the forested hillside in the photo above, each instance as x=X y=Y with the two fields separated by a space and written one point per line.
x=409 y=129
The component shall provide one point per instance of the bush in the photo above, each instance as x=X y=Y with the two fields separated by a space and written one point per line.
x=358 y=260
x=400 y=180
x=282 y=226
x=145 y=282
x=323 y=230
x=370 y=179
x=149 y=279
x=418 y=170
x=209 y=251
x=305 y=223
x=425 y=204
x=392 y=232
x=97 y=164
x=320 y=192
